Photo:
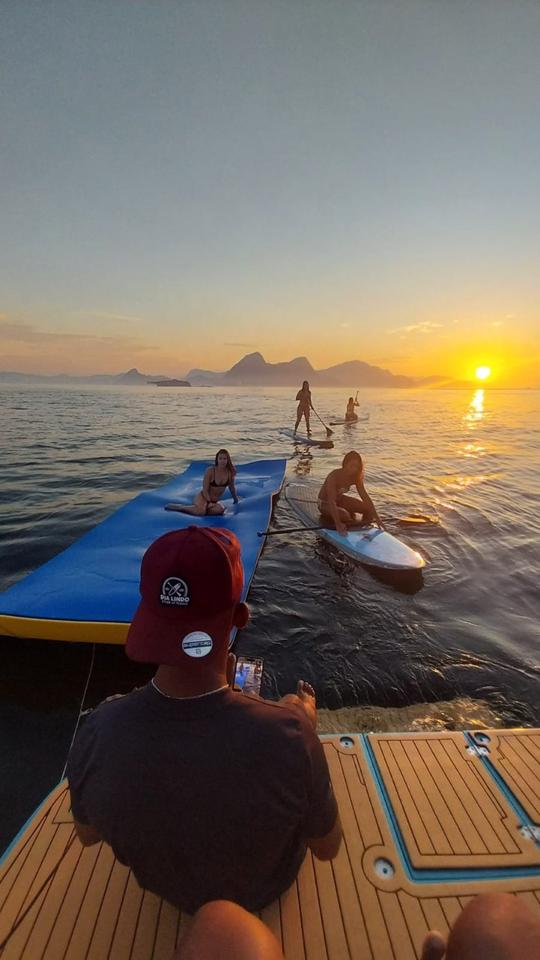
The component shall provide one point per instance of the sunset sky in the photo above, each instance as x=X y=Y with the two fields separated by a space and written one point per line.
x=186 y=181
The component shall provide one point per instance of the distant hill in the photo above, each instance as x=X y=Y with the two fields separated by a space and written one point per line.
x=130 y=378
x=253 y=370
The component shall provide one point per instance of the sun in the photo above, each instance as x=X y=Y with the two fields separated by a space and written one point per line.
x=482 y=373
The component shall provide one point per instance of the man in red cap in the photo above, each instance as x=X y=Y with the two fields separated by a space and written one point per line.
x=205 y=793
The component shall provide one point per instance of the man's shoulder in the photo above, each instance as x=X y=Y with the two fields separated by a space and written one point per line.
x=272 y=714
x=116 y=708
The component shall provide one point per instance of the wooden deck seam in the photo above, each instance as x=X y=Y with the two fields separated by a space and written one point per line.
x=491 y=797
x=62 y=901
x=81 y=903
x=508 y=761
x=26 y=846
x=28 y=902
x=496 y=800
x=517 y=784
x=99 y=904
x=470 y=823
x=401 y=805
x=432 y=807
x=425 y=801
x=517 y=750
x=440 y=794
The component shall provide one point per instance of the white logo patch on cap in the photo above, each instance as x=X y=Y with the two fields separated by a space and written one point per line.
x=174 y=592
x=197 y=644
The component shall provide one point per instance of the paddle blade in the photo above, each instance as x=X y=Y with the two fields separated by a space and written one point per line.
x=417 y=520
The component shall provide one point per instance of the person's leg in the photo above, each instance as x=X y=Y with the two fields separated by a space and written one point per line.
x=327 y=517
x=353 y=505
x=215 y=510
x=497 y=926
x=222 y=930
x=197 y=509
x=305 y=698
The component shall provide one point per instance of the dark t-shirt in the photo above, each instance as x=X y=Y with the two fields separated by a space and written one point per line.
x=205 y=799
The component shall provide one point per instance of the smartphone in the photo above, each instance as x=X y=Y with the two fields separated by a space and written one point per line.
x=248 y=675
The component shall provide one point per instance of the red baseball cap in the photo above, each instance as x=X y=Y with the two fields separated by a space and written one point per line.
x=191 y=581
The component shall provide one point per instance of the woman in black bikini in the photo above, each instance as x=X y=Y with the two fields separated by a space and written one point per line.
x=215 y=481
x=304 y=406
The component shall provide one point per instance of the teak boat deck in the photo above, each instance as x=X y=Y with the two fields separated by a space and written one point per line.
x=429 y=821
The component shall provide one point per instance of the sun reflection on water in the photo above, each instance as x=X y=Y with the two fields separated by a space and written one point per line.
x=475 y=411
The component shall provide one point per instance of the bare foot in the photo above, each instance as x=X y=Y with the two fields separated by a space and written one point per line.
x=434 y=946
x=306 y=693
x=304 y=698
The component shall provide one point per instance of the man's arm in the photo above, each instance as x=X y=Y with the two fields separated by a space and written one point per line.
x=326 y=848
x=87 y=834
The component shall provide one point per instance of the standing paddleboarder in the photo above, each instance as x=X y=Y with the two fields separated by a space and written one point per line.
x=304 y=406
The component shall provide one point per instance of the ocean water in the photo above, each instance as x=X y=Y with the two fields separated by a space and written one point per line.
x=468 y=630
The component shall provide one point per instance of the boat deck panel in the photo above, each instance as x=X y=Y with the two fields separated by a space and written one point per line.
x=429 y=821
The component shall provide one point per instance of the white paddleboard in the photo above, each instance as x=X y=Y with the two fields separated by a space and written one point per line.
x=368 y=544
x=309 y=441
x=357 y=419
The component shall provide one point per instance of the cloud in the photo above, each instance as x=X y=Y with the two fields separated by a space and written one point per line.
x=248 y=345
x=345 y=325
x=394 y=359
x=426 y=326
x=115 y=317
x=498 y=323
x=26 y=333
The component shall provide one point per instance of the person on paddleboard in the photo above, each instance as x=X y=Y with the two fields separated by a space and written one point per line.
x=339 y=508
x=350 y=412
x=304 y=406
x=215 y=481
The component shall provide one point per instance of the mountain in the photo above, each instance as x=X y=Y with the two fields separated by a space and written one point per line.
x=253 y=370
x=130 y=378
x=204 y=378
x=356 y=373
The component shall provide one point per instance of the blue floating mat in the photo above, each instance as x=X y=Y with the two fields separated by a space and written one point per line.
x=89 y=592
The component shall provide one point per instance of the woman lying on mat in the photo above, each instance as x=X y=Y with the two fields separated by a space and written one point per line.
x=215 y=481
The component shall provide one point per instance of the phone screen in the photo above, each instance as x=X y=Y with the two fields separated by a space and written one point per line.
x=248 y=675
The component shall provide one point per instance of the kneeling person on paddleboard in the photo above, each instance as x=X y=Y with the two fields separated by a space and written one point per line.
x=339 y=508
x=350 y=413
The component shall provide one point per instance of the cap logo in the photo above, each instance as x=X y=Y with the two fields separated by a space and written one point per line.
x=174 y=592
x=197 y=644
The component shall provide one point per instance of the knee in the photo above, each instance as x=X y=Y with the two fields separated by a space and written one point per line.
x=493 y=921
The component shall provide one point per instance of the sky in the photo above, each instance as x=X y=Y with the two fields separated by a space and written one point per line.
x=188 y=181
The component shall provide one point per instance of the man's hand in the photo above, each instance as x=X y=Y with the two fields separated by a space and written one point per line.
x=87 y=834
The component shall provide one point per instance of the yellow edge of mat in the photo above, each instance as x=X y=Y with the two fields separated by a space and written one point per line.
x=71 y=631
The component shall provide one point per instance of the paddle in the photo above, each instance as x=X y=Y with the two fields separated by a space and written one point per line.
x=272 y=533
x=329 y=432
x=417 y=519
